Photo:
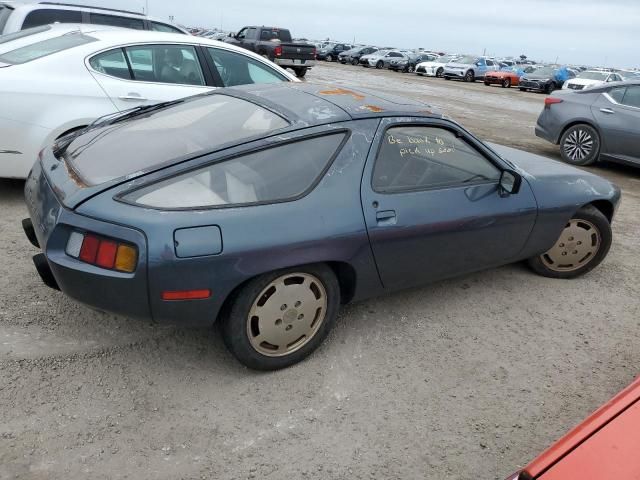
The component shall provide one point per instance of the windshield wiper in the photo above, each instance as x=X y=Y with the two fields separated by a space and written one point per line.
x=116 y=117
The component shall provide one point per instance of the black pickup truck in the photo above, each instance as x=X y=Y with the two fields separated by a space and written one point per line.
x=276 y=45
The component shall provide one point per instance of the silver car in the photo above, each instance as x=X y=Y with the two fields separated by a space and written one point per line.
x=602 y=122
x=380 y=59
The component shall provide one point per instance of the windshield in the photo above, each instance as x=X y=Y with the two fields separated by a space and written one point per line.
x=24 y=33
x=593 y=75
x=380 y=53
x=4 y=16
x=467 y=60
x=545 y=72
x=44 y=48
x=147 y=141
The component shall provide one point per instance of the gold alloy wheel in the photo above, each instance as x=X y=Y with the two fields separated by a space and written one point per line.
x=287 y=314
x=578 y=245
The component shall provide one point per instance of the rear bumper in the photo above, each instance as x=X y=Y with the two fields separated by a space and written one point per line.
x=49 y=227
x=543 y=133
x=294 y=63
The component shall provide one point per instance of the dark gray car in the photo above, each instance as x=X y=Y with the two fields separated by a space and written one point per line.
x=601 y=122
x=265 y=208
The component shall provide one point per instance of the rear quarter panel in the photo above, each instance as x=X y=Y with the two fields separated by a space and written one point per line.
x=325 y=226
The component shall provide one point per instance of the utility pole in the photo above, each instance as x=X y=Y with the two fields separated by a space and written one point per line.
x=146 y=8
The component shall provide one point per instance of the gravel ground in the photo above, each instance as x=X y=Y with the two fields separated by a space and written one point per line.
x=464 y=379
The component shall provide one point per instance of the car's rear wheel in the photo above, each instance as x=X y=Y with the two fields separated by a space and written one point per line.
x=355 y=61
x=440 y=72
x=580 y=145
x=506 y=83
x=380 y=64
x=582 y=245
x=279 y=318
x=470 y=77
x=486 y=82
x=523 y=89
x=329 y=58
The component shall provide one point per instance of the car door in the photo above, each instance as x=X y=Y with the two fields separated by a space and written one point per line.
x=617 y=113
x=432 y=205
x=146 y=74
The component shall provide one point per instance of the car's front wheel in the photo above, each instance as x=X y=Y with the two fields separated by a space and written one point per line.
x=355 y=61
x=279 y=318
x=580 y=145
x=470 y=76
x=440 y=72
x=300 y=71
x=583 y=244
x=380 y=64
x=506 y=83
x=329 y=58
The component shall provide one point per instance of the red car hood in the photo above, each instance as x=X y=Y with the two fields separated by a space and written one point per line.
x=603 y=447
x=500 y=74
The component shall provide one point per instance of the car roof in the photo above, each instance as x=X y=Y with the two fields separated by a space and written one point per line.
x=317 y=104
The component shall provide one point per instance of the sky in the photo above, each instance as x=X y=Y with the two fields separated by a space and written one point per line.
x=592 y=32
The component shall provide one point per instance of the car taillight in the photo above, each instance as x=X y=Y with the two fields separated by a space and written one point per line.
x=551 y=101
x=278 y=51
x=314 y=52
x=102 y=252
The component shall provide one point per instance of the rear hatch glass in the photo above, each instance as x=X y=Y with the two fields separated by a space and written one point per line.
x=196 y=126
x=4 y=16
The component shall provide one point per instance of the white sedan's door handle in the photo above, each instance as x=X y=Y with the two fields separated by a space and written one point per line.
x=133 y=96
x=607 y=110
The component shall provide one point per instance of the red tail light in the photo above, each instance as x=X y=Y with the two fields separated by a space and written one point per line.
x=551 y=101
x=102 y=252
x=278 y=51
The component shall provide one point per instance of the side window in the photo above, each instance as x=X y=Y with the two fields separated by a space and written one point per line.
x=632 y=96
x=419 y=158
x=177 y=64
x=237 y=69
x=489 y=63
x=163 y=27
x=46 y=16
x=242 y=34
x=116 y=21
x=111 y=63
x=273 y=175
x=252 y=34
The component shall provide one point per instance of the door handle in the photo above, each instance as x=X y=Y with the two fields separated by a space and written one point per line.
x=607 y=110
x=133 y=96
x=386 y=217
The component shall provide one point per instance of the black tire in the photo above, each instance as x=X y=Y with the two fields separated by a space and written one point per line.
x=234 y=327
x=506 y=83
x=440 y=72
x=447 y=78
x=380 y=64
x=329 y=58
x=300 y=71
x=580 y=145
x=411 y=69
x=487 y=83
x=523 y=89
x=602 y=229
x=355 y=61
x=549 y=88
x=470 y=76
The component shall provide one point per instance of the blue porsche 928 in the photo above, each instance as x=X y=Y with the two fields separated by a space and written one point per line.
x=265 y=208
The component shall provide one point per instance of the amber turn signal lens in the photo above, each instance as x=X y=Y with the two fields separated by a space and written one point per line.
x=126 y=258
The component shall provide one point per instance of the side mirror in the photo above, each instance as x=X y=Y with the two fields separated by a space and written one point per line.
x=510 y=182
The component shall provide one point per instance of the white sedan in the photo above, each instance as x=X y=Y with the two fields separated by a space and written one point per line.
x=434 y=68
x=69 y=75
x=590 y=79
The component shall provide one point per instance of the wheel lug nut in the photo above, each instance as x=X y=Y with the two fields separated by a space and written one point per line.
x=283 y=307
x=288 y=327
x=564 y=253
x=279 y=321
x=579 y=243
x=298 y=303
x=575 y=252
x=561 y=245
x=571 y=239
x=300 y=317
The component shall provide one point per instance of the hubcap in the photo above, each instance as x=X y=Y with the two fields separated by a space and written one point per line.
x=578 y=145
x=287 y=314
x=577 y=246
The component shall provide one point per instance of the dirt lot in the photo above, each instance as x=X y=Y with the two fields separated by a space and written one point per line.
x=465 y=379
